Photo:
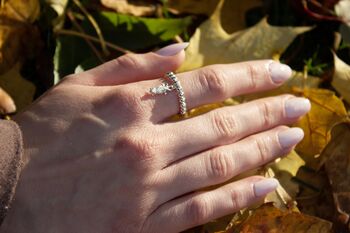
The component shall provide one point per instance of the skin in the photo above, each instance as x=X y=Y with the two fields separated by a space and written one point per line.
x=101 y=157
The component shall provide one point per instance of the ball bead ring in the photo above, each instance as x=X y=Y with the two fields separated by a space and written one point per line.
x=175 y=85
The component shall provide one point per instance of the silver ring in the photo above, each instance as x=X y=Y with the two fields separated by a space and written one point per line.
x=165 y=88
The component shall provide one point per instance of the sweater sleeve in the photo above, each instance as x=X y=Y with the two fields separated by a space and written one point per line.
x=11 y=150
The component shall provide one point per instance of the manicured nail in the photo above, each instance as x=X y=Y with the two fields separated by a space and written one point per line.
x=296 y=107
x=279 y=72
x=263 y=187
x=172 y=50
x=290 y=137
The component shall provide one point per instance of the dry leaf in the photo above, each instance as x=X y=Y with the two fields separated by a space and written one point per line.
x=21 y=90
x=16 y=31
x=210 y=44
x=232 y=14
x=338 y=170
x=341 y=78
x=287 y=168
x=269 y=219
x=135 y=7
x=326 y=111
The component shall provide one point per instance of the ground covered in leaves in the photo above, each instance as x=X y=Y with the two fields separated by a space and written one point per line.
x=41 y=41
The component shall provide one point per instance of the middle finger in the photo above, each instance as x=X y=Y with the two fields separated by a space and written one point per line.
x=229 y=124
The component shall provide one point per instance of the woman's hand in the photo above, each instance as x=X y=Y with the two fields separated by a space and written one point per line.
x=101 y=158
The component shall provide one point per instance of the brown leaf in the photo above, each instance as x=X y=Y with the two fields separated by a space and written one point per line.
x=210 y=44
x=16 y=31
x=338 y=170
x=326 y=111
x=134 y=7
x=269 y=219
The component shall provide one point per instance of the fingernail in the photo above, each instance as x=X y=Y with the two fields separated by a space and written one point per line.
x=263 y=187
x=172 y=50
x=290 y=137
x=296 y=107
x=279 y=72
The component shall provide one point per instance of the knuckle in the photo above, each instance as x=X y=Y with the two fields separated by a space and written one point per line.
x=225 y=125
x=253 y=76
x=198 y=210
x=213 y=81
x=128 y=99
x=267 y=114
x=220 y=165
x=237 y=199
x=137 y=148
x=128 y=61
x=262 y=149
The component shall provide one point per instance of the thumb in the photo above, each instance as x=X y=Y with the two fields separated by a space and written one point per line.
x=136 y=67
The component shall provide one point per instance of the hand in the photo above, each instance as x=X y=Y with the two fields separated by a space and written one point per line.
x=101 y=158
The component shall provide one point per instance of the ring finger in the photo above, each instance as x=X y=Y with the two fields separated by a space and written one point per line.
x=218 y=82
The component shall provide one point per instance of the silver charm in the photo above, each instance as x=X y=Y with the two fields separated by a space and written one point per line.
x=165 y=88
x=162 y=89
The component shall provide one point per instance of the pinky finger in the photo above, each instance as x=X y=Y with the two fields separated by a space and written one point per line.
x=201 y=207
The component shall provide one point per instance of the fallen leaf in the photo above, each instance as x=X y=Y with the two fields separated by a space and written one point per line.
x=286 y=169
x=21 y=90
x=315 y=195
x=210 y=44
x=337 y=166
x=269 y=219
x=25 y=11
x=16 y=30
x=232 y=14
x=60 y=7
x=326 y=111
x=341 y=78
x=136 y=8
x=342 y=9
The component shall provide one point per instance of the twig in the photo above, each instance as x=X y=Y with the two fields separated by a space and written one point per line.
x=95 y=25
x=91 y=38
x=93 y=48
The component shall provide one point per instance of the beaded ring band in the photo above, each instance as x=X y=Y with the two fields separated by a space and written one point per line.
x=165 y=88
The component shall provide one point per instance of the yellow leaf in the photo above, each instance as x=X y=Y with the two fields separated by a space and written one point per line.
x=326 y=111
x=341 y=78
x=284 y=170
x=17 y=36
x=210 y=44
x=269 y=219
x=232 y=15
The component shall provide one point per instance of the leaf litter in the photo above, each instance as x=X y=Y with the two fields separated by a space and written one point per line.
x=314 y=194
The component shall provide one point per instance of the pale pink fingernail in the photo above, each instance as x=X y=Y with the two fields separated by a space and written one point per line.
x=290 y=137
x=279 y=72
x=263 y=187
x=296 y=107
x=172 y=50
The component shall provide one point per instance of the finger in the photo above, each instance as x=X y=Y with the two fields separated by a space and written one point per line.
x=229 y=124
x=218 y=82
x=135 y=67
x=220 y=164
x=199 y=208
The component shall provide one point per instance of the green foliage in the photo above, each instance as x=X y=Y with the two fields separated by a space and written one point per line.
x=132 y=33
